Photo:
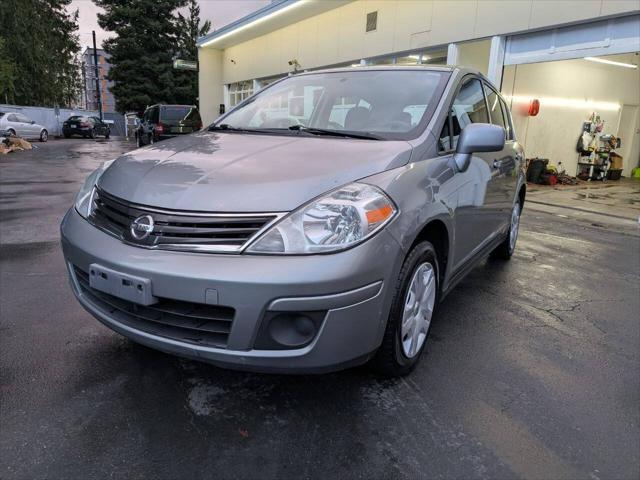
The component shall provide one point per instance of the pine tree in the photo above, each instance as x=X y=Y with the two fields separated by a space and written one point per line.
x=40 y=46
x=7 y=75
x=142 y=50
x=189 y=30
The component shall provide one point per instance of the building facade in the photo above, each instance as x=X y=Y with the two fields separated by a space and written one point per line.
x=89 y=79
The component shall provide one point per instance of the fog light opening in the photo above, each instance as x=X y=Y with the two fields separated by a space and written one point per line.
x=292 y=329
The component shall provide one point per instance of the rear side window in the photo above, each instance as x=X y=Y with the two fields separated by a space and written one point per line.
x=508 y=121
x=495 y=108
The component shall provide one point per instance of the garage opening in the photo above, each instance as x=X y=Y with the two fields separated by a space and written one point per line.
x=577 y=113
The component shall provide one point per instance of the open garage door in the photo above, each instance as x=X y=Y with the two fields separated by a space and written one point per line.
x=606 y=37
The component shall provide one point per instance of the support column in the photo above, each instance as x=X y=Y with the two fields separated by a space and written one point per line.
x=452 y=54
x=210 y=85
x=496 y=60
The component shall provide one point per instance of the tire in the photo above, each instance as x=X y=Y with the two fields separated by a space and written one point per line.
x=139 y=143
x=107 y=135
x=505 y=250
x=67 y=135
x=92 y=134
x=150 y=139
x=44 y=135
x=11 y=132
x=392 y=358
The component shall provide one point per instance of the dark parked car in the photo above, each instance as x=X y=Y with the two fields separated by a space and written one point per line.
x=86 y=126
x=165 y=121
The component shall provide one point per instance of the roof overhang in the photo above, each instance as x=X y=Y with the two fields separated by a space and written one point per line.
x=274 y=16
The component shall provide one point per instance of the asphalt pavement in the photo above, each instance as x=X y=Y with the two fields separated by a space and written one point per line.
x=531 y=370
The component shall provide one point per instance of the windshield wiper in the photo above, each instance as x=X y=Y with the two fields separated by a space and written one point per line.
x=335 y=133
x=229 y=128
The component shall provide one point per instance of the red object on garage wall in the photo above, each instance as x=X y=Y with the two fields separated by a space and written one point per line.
x=534 y=107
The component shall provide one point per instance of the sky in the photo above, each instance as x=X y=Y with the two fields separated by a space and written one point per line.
x=220 y=12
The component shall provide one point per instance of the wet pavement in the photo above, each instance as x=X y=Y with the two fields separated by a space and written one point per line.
x=614 y=204
x=531 y=370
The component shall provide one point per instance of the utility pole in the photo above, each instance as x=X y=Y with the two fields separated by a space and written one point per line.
x=97 y=71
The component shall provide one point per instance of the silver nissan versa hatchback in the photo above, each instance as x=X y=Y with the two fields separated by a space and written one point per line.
x=314 y=227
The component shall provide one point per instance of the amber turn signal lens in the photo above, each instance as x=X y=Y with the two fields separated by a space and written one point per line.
x=380 y=214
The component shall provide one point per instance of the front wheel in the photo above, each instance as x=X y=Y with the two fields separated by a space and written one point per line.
x=44 y=136
x=508 y=246
x=92 y=133
x=11 y=132
x=412 y=310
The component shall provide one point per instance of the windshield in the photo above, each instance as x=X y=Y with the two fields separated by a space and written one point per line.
x=392 y=104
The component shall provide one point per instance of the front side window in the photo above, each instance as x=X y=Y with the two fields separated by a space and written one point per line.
x=468 y=107
x=392 y=104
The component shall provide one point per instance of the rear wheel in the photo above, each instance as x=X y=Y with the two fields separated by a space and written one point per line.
x=508 y=246
x=150 y=142
x=412 y=310
x=44 y=136
x=108 y=134
x=139 y=143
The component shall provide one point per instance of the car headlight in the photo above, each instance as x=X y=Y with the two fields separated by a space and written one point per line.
x=340 y=219
x=84 y=198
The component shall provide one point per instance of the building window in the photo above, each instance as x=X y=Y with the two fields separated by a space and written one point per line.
x=239 y=91
x=372 y=21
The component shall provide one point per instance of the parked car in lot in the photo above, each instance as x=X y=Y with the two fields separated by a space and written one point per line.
x=85 y=126
x=15 y=123
x=315 y=226
x=160 y=122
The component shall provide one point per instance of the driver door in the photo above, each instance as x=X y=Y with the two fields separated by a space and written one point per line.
x=479 y=210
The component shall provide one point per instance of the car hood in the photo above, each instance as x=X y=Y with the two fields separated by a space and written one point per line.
x=234 y=172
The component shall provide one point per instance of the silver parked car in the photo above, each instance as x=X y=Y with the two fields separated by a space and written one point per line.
x=14 y=123
x=314 y=227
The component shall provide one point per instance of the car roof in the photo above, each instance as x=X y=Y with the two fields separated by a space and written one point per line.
x=458 y=71
x=171 y=105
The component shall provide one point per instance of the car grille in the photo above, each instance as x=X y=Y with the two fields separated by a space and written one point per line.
x=195 y=323
x=172 y=230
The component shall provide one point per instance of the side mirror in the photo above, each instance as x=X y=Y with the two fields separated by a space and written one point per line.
x=477 y=137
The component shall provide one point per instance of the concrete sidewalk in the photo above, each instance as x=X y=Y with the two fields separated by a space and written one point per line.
x=612 y=205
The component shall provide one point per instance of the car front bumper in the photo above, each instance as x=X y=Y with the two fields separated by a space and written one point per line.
x=352 y=289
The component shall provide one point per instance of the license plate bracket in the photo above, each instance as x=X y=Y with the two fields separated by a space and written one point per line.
x=122 y=285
